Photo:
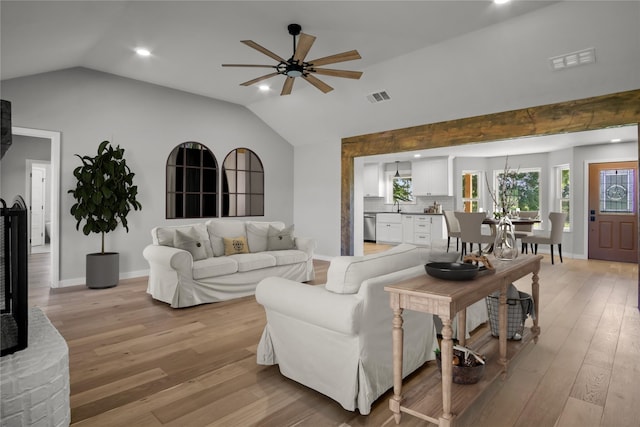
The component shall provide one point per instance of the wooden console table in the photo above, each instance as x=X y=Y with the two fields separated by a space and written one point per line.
x=445 y=298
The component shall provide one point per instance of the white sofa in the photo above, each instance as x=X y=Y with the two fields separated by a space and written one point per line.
x=336 y=338
x=223 y=259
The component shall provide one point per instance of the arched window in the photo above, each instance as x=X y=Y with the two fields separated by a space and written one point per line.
x=242 y=184
x=192 y=182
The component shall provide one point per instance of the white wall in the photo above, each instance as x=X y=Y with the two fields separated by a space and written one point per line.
x=317 y=196
x=12 y=175
x=496 y=69
x=148 y=121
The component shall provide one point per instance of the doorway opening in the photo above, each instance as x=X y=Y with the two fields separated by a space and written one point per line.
x=53 y=210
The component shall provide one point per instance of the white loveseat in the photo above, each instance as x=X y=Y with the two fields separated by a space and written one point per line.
x=336 y=338
x=223 y=259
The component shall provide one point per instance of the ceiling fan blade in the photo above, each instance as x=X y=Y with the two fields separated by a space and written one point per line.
x=338 y=57
x=318 y=83
x=304 y=45
x=338 y=73
x=288 y=85
x=259 y=79
x=249 y=65
x=264 y=50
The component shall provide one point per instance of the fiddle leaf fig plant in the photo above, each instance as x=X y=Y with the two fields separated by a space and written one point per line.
x=104 y=192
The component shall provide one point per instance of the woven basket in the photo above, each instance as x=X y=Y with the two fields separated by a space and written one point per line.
x=516 y=316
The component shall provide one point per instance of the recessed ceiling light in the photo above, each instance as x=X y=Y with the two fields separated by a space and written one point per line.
x=417 y=155
x=264 y=88
x=616 y=140
x=143 y=51
x=501 y=1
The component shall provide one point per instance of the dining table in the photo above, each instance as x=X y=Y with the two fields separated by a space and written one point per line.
x=515 y=220
x=493 y=223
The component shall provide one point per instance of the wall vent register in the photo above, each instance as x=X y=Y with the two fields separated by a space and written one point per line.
x=573 y=59
x=376 y=97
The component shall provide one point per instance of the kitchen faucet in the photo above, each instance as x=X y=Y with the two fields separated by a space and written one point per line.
x=394 y=203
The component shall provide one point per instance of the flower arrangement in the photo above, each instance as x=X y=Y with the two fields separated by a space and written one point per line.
x=506 y=198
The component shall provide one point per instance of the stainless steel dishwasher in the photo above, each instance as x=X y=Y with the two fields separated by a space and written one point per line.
x=369 y=227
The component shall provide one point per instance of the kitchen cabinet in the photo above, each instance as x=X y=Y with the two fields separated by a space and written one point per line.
x=423 y=229
x=407 y=228
x=438 y=228
x=389 y=228
x=432 y=176
x=373 y=179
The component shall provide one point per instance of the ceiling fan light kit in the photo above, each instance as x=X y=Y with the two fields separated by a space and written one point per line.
x=296 y=66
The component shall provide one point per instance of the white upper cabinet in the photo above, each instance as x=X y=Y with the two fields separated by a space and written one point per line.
x=373 y=180
x=433 y=176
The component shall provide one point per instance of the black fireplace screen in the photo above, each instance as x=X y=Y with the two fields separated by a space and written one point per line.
x=13 y=273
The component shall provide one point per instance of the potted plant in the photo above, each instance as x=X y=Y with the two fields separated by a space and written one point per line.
x=104 y=195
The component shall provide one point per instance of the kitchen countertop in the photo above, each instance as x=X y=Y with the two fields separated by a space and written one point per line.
x=402 y=213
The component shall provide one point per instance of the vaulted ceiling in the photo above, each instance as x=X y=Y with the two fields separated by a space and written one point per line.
x=189 y=40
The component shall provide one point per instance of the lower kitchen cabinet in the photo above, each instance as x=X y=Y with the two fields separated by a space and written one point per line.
x=407 y=228
x=389 y=228
x=422 y=229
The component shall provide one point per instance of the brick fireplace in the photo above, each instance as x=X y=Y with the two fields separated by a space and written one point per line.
x=35 y=381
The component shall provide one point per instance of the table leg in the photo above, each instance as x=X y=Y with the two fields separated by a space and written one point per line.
x=397 y=337
x=502 y=322
x=446 y=355
x=535 y=292
x=462 y=327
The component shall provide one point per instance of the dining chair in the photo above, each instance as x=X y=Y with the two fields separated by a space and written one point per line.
x=524 y=230
x=471 y=230
x=453 y=228
x=554 y=237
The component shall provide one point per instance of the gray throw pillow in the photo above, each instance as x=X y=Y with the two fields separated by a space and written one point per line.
x=278 y=240
x=190 y=241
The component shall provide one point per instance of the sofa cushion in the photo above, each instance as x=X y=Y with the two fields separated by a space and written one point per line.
x=278 y=240
x=249 y=262
x=346 y=273
x=165 y=235
x=257 y=232
x=213 y=267
x=218 y=229
x=190 y=241
x=235 y=245
x=290 y=256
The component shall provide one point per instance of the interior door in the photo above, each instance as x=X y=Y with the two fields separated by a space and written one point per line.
x=612 y=211
x=37 y=205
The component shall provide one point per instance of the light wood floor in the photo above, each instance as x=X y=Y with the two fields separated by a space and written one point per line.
x=136 y=362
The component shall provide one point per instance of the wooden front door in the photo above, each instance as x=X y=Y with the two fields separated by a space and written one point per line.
x=613 y=211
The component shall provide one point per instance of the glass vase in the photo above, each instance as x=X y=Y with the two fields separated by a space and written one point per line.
x=504 y=246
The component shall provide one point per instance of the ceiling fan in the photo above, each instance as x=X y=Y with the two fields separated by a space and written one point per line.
x=296 y=66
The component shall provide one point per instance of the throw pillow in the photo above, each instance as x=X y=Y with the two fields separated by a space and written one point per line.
x=278 y=240
x=235 y=245
x=257 y=233
x=190 y=241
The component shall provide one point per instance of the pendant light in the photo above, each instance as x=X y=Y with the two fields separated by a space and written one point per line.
x=397 y=175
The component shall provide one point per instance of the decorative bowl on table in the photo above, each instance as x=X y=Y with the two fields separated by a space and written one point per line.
x=452 y=270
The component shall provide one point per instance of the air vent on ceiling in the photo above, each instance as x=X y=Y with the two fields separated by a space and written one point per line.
x=376 y=97
x=582 y=57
